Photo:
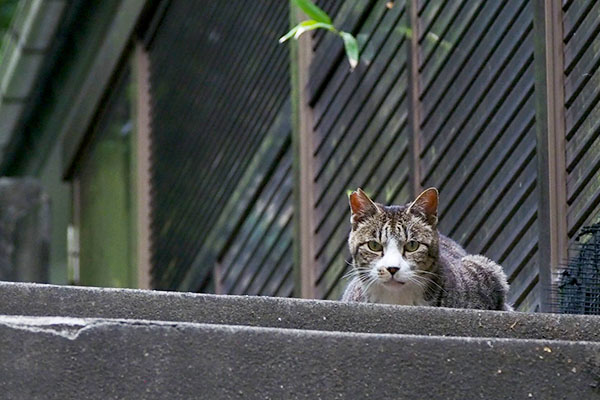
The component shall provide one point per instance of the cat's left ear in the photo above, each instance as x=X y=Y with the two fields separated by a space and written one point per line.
x=427 y=204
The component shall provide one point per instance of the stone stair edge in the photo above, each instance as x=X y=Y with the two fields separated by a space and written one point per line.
x=46 y=325
x=289 y=313
x=281 y=300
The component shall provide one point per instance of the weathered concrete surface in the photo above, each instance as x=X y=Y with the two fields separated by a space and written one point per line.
x=24 y=230
x=43 y=300
x=65 y=358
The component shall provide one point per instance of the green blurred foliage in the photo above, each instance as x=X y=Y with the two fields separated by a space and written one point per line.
x=320 y=20
x=7 y=9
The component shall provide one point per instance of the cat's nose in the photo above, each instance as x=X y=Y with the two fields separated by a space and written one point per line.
x=392 y=270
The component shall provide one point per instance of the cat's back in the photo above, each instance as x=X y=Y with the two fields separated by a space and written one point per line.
x=450 y=250
x=470 y=281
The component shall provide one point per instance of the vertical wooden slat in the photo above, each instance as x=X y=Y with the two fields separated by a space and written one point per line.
x=303 y=162
x=415 y=103
x=217 y=277
x=550 y=110
x=142 y=166
x=73 y=245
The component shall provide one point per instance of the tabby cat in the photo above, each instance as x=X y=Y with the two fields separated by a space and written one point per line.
x=399 y=257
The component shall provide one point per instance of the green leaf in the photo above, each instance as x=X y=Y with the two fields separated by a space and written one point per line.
x=351 y=46
x=288 y=35
x=313 y=26
x=305 y=26
x=313 y=11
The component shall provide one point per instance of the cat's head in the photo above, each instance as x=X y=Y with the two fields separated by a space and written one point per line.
x=394 y=247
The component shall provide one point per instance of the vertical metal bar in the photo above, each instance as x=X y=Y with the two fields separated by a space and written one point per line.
x=303 y=162
x=550 y=109
x=415 y=103
x=143 y=152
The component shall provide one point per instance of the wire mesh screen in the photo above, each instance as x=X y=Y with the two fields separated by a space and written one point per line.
x=219 y=84
x=578 y=287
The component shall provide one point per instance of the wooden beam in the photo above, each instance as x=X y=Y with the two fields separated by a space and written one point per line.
x=142 y=166
x=73 y=244
x=217 y=278
x=303 y=162
x=550 y=109
x=414 y=114
x=90 y=93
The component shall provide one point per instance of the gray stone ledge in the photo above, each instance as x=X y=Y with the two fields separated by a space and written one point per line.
x=74 y=358
x=49 y=300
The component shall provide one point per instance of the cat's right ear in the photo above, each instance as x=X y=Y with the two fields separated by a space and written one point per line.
x=361 y=206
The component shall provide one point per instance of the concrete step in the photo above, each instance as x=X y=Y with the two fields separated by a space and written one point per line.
x=68 y=301
x=74 y=358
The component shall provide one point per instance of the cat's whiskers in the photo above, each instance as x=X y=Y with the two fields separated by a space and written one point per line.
x=427 y=279
x=420 y=284
x=352 y=273
x=369 y=282
x=427 y=272
x=365 y=279
x=427 y=289
x=355 y=271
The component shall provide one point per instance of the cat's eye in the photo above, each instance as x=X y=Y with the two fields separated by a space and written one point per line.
x=374 y=246
x=411 y=245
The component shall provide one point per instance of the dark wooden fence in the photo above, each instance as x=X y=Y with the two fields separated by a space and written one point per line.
x=496 y=103
x=360 y=129
x=582 y=111
x=476 y=131
x=470 y=97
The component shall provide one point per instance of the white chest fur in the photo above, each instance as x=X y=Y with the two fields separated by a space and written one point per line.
x=408 y=295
